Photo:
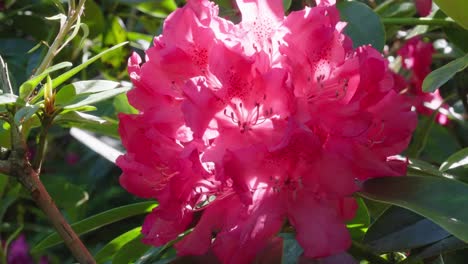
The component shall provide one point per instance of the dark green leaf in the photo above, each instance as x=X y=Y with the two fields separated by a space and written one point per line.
x=93 y=18
x=364 y=26
x=447 y=244
x=291 y=249
x=438 y=199
x=131 y=251
x=25 y=113
x=458 y=37
x=410 y=231
x=108 y=251
x=440 y=76
x=66 y=195
x=420 y=136
x=97 y=221
x=3 y=184
x=459 y=159
x=27 y=87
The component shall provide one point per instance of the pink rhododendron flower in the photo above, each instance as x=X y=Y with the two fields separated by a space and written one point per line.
x=417 y=58
x=246 y=127
x=423 y=7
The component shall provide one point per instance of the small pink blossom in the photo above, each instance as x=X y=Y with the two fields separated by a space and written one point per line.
x=423 y=6
x=245 y=127
x=417 y=58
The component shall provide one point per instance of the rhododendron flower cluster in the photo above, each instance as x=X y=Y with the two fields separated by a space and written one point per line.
x=417 y=58
x=246 y=128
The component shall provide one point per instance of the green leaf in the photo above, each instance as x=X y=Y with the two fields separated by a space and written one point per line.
x=364 y=26
x=88 y=122
x=27 y=88
x=447 y=244
x=93 y=18
x=108 y=251
x=457 y=36
x=456 y=9
x=66 y=195
x=7 y=98
x=438 y=199
x=158 y=9
x=67 y=75
x=97 y=221
x=3 y=184
x=410 y=231
x=291 y=249
x=131 y=251
x=25 y=113
x=421 y=135
x=358 y=226
x=88 y=99
x=68 y=93
x=459 y=159
x=440 y=76
x=122 y=105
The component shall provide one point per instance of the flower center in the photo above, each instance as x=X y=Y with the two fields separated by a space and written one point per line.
x=246 y=118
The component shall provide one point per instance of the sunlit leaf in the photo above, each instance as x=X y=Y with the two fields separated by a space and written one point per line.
x=67 y=75
x=441 y=75
x=108 y=251
x=97 y=221
x=27 y=87
x=458 y=159
x=130 y=251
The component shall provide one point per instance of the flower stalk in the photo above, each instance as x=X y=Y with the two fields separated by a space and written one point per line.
x=413 y=21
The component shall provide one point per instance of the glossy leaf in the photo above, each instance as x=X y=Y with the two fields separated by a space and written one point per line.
x=88 y=99
x=458 y=159
x=108 y=251
x=97 y=221
x=447 y=244
x=398 y=229
x=438 y=199
x=27 y=88
x=364 y=26
x=88 y=122
x=67 y=94
x=67 y=75
x=440 y=76
x=130 y=251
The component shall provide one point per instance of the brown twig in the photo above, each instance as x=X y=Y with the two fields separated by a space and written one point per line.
x=21 y=168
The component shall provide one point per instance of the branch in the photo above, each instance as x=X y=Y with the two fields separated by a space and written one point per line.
x=29 y=178
x=73 y=15
x=411 y=21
